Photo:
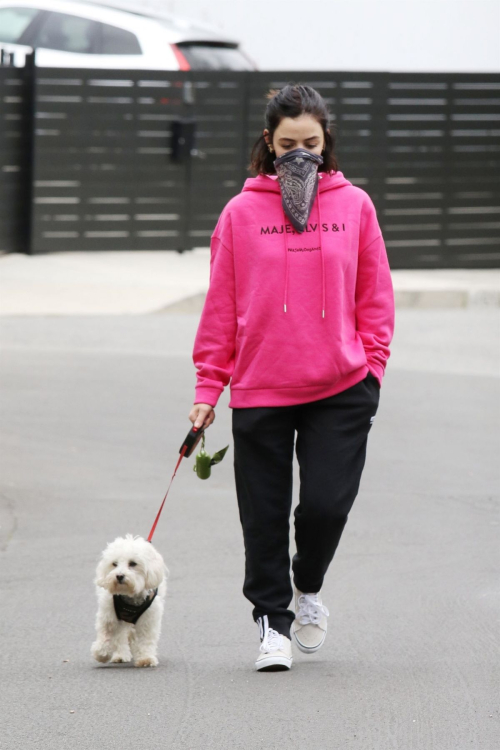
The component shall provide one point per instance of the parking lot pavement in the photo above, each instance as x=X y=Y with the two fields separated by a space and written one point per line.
x=128 y=283
x=93 y=411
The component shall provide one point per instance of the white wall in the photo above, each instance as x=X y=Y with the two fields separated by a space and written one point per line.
x=371 y=35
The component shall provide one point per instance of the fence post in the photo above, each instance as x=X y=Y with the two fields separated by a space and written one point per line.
x=30 y=161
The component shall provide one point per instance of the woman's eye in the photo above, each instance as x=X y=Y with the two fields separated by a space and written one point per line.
x=132 y=564
x=308 y=147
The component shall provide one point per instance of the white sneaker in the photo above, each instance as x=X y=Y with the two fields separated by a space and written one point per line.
x=275 y=649
x=309 y=627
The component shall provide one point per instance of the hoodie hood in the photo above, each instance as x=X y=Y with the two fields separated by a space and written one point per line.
x=327 y=181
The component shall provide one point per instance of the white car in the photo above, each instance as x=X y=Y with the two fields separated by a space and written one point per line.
x=69 y=34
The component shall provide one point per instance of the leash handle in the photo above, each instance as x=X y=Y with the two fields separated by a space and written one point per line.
x=182 y=452
x=192 y=439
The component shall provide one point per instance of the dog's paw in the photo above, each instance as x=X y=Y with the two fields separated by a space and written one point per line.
x=120 y=658
x=100 y=654
x=146 y=661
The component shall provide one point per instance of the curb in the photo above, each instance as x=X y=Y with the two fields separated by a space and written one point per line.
x=403 y=298
x=435 y=298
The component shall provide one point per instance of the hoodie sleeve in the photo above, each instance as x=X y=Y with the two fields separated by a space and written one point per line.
x=215 y=341
x=374 y=293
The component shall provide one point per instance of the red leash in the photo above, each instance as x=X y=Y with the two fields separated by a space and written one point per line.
x=184 y=449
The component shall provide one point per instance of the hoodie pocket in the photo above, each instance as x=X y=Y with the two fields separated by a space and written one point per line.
x=371 y=376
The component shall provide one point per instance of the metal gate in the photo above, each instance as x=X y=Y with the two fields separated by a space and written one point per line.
x=135 y=160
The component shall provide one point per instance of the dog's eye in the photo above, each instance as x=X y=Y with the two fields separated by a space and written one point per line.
x=132 y=564
x=115 y=565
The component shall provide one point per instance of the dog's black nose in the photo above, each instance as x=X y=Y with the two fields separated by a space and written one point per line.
x=120 y=578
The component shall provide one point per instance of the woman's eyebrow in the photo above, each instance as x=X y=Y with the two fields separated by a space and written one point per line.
x=311 y=137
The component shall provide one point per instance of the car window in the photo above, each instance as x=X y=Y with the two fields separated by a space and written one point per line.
x=68 y=33
x=213 y=57
x=116 y=41
x=14 y=22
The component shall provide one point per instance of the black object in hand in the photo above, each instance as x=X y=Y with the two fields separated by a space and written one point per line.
x=192 y=439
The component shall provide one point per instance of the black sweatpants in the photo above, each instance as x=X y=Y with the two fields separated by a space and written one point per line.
x=331 y=444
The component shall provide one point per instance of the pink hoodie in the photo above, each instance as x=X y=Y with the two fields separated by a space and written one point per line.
x=293 y=317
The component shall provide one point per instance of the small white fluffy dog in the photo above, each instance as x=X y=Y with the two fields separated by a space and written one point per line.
x=131 y=586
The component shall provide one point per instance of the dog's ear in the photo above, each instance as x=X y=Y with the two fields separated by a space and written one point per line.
x=155 y=570
x=101 y=572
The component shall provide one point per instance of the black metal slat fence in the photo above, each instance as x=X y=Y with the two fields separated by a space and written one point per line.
x=102 y=177
x=426 y=148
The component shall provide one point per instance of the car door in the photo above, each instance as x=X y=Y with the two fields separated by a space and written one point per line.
x=68 y=41
x=58 y=37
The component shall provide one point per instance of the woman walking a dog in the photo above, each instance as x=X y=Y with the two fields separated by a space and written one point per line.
x=299 y=317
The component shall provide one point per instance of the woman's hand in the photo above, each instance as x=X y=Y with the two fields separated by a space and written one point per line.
x=202 y=414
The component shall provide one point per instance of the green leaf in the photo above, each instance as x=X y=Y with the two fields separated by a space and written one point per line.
x=217 y=457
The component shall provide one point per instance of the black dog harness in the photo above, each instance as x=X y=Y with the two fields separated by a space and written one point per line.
x=127 y=611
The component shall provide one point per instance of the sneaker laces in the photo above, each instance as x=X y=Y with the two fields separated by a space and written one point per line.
x=272 y=641
x=310 y=610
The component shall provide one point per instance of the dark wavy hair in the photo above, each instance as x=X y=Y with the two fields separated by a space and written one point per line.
x=293 y=100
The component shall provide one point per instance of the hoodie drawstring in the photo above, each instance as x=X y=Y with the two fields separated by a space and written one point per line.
x=286 y=263
x=323 y=286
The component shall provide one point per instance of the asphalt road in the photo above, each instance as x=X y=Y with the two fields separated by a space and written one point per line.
x=93 y=410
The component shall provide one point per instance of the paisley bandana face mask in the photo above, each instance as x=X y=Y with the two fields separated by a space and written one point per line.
x=297 y=172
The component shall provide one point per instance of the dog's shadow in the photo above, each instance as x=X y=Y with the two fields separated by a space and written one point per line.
x=123 y=665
